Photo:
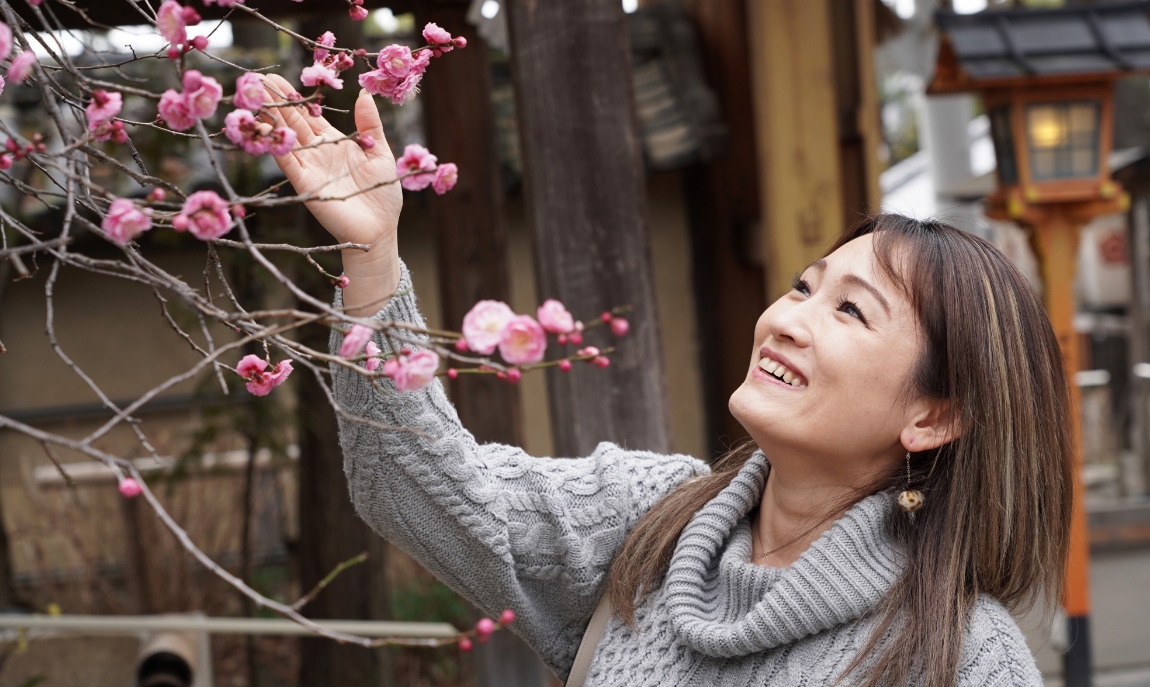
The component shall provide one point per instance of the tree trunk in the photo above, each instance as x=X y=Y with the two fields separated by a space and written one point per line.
x=585 y=188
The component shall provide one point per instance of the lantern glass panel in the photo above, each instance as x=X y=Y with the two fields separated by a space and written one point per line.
x=1063 y=139
x=1003 y=146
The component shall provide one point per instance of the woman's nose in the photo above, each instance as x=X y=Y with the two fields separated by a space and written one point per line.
x=793 y=324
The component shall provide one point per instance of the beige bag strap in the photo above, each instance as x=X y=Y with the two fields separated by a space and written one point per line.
x=590 y=641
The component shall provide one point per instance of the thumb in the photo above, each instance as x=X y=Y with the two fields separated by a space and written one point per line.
x=367 y=122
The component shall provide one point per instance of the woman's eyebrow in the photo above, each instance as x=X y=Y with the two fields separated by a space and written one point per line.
x=859 y=281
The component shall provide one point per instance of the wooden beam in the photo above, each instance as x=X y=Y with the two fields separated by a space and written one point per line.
x=723 y=204
x=794 y=91
x=585 y=190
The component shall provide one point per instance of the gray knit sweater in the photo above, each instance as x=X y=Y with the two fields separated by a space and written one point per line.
x=537 y=535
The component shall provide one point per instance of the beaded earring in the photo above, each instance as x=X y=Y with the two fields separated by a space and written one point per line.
x=910 y=500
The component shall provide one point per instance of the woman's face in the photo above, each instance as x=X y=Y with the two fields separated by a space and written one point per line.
x=844 y=342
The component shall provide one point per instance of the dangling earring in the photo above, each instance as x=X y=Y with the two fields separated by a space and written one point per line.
x=910 y=500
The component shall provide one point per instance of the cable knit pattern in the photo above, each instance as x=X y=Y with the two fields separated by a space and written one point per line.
x=537 y=535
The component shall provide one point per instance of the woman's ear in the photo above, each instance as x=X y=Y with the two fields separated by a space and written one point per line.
x=932 y=424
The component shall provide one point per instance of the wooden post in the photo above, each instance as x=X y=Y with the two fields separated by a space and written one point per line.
x=585 y=190
x=794 y=93
x=1056 y=241
x=330 y=532
x=723 y=205
x=471 y=241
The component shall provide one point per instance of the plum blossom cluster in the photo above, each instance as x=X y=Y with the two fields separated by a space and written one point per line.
x=113 y=192
x=399 y=69
x=417 y=169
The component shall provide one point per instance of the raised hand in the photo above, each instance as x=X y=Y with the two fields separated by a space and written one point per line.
x=362 y=206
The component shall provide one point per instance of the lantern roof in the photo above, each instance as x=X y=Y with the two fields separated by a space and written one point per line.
x=1015 y=47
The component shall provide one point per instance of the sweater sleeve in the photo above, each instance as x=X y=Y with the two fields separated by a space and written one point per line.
x=994 y=652
x=502 y=528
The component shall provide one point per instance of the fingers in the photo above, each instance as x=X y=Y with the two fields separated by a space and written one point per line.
x=276 y=90
x=367 y=123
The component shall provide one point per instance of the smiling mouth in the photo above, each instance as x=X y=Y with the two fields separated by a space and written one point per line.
x=781 y=372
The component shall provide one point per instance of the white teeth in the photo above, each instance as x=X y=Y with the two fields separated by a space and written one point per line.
x=779 y=371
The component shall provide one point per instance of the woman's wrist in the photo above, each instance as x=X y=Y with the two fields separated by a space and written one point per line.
x=372 y=278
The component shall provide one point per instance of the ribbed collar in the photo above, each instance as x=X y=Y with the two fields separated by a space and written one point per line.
x=723 y=605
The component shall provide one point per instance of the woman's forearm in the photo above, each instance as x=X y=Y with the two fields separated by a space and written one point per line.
x=372 y=277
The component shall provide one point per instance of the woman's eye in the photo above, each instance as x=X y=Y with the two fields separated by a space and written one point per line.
x=801 y=286
x=851 y=309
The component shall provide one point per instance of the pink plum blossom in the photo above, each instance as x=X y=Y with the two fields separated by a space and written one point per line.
x=261 y=380
x=249 y=92
x=256 y=137
x=440 y=38
x=354 y=341
x=125 y=221
x=2 y=84
x=174 y=109
x=483 y=324
x=328 y=40
x=319 y=73
x=130 y=488
x=395 y=60
x=357 y=13
x=202 y=93
x=416 y=167
x=205 y=215
x=372 y=350
x=413 y=372
x=172 y=22
x=554 y=317
x=21 y=67
x=5 y=41
x=522 y=341
x=104 y=106
x=445 y=177
x=112 y=130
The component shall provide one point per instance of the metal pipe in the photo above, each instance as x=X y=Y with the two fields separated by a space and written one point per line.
x=133 y=624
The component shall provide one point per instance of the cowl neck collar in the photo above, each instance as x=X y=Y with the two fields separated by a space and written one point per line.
x=723 y=605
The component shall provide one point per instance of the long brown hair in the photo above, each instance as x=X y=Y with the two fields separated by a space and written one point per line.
x=998 y=497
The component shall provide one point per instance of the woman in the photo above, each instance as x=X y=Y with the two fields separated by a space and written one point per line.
x=912 y=363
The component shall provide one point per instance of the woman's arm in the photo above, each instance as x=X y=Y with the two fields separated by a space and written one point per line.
x=502 y=528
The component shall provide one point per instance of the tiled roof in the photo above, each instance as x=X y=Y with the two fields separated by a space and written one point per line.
x=1079 y=39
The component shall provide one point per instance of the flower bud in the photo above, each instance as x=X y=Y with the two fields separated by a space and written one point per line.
x=606 y=317
x=157 y=195
x=191 y=16
x=565 y=365
x=365 y=141
x=484 y=628
x=576 y=338
x=359 y=53
x=601 y=361
x=501 y=375
x=130 y=488
x=620 y=326
x=343 y=281
x=461 y=345
x=5 y=161
x=452 y=373
x=200 y=43
x=239 y=211
x=459 y=41
x=562 y=339
x=507 y=617
x=514 y=375
x=173 y=53
x=314 y=110
x=465 y=644
x=357 y=13
x=180 y=222
x=590 y=350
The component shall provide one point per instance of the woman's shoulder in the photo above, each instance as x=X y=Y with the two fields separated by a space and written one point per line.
x=994 y=649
